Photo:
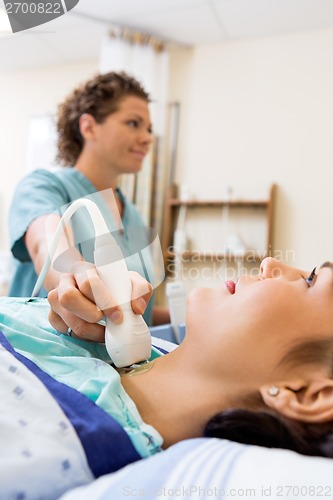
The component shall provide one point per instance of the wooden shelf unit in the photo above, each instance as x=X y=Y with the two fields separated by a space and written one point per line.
x=173 y=205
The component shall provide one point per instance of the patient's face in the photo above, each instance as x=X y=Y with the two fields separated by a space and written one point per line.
x=248 y=332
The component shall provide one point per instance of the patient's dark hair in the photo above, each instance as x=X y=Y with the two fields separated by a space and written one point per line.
x=268 y=429
x=99 y=97
x=265 y=427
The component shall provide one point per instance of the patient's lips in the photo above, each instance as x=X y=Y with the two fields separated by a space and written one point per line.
x=231 y=285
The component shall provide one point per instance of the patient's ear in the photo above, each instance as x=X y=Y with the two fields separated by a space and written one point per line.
x=307 y=401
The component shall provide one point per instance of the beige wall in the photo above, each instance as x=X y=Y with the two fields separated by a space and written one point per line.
x=22 y=95
x=261 y=111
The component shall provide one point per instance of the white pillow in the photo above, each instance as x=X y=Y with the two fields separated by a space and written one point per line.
x=206 y=468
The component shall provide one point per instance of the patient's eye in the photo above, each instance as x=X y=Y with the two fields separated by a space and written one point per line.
x=310 y=279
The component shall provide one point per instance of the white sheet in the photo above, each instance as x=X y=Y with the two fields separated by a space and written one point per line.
x=206 y=468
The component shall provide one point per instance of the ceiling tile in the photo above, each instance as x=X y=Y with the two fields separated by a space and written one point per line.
x=249 y=18
x=180 y=28
x=116 y=10
x=78 y=34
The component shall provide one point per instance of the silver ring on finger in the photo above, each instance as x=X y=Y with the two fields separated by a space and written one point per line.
x=69 y=332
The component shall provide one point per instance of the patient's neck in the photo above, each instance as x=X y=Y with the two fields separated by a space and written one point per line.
x=176 y=397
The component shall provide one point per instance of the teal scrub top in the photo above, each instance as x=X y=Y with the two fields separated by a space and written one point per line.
x=44 y=192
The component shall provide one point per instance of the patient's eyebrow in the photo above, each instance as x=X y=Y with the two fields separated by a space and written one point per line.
x=327 y=264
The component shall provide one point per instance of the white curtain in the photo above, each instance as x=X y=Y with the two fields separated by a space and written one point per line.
x=146 y=59
x=41 y=142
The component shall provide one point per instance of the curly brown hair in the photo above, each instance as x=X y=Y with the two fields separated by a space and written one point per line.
x=99 y=96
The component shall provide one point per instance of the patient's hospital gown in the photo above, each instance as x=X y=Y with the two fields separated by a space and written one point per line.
x=84 y=366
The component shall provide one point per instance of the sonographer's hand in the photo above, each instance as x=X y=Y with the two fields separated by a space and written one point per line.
x=81 y=300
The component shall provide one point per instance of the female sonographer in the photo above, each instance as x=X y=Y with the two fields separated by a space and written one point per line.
x=104 y=131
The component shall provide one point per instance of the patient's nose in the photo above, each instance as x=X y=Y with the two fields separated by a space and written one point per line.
x=272 y=268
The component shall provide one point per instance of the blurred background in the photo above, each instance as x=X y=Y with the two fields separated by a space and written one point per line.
x=242 y=99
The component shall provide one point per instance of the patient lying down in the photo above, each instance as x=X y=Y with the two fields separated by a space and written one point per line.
x=255 y=366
